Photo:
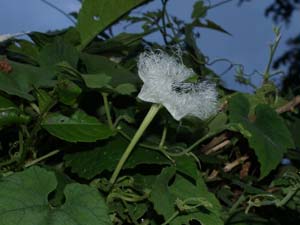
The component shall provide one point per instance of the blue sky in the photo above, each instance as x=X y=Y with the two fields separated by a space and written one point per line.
x=252 y=32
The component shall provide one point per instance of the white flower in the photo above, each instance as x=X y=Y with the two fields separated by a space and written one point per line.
x=165 y=82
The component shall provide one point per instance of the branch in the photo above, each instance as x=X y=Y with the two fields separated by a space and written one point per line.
x=235 y=163
x=289 y=106
x=215 y=142
x=218 y=147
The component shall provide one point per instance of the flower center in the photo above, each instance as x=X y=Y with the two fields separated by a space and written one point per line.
x=184 y=87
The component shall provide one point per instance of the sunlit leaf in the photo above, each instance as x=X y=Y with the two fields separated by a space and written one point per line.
x=96 y=15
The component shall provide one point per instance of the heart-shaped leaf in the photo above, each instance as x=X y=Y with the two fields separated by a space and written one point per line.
x=266 y=131
x=24 y=200
x=164 y=197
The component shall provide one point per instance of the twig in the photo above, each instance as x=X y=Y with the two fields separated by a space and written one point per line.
x=219 y=4
x=217 y=147
x=289 y=106
x=215 y=141
x=59 y=10
x=235 y=163
x=213 y=175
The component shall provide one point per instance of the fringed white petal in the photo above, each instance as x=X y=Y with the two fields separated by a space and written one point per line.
x=164 y=82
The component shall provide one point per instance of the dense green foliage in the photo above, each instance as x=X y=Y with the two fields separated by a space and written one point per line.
x=69 y=109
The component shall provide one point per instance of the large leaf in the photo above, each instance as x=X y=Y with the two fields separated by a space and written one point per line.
x=24 y=200
x=89 y=163
x=26 y=50
x=96 y=15
x=187 y=165
x=266 y=132
x=164 y=197
x=121 y=43
x=108 y=76
x=68 y=91
x=99 y=65
x=56 y=52
x=79 y=127
x=21 y=80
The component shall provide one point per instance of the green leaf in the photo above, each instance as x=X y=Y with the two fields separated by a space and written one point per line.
x=23 y=78
x=163 y=201
x=266 y=132
x=56 y=52
x=68 y=91
x=69 y=35
x=10 y=114
x=187 y=165
x=96 y=15
x=199 y=10
x=205 y=215
x=79 y=127
x=122 y=43
x=242 y=218
x=44 y=99
x=26 y=49
x=96 y=80
x=101 y=65
x=125 y=89
x=24 y=200
x=210 y=25
x=293 y=125
x=164 y=197
x=218 y=123
x=6 y=103
x=90 y=163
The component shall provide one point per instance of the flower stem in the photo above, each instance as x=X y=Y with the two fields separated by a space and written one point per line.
x=147 y=120
x=107 y=111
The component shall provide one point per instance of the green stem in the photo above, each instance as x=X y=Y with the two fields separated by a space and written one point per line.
x=30 y=141
x=161 y=150
x=147 y=120
x=107 y=111
x=163 y=138
x=171 y=218
x=141 y=145
x=187 y=150
x=237 y=203
x=21 y=142
x=286 y=198
x=266 y=74
x=33 y=162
